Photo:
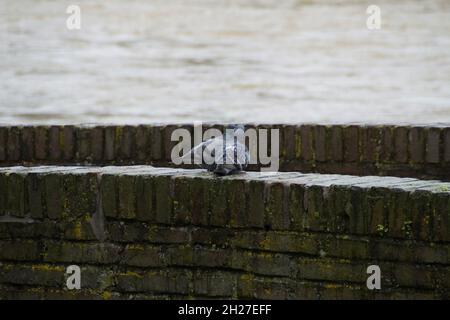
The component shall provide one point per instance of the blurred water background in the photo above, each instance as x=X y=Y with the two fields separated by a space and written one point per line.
x=139 y=61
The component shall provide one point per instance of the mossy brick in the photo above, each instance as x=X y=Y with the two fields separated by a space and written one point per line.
x=377 y=211
x=13 y=144
x=3 y=194
x=80 y=194
x=143 y=256
x=54 y=143
x=289 y=142
x=143 y=139
x=127 y=196
x=277 y=213
x=41 y=136
x=421 y=215
x=440 y=217
x=68 y=142
x=253 y=287
x=83 y=143
x=344 y=246
x=296 y=207
x=214 y=283
x=401 y=144
x=182 y=255
x=221 y=237
x=163 y=201
x=17 y=203
x=212 y=257
x=3 y=143
x=307 y=140
x=168 y=235
x=387 y=144
x=236 y=190
x=80 y=229
x=110 y=142
x=35 y=230
x=81 y=252
x=54 y=195
x=351 y=143
x=145 y=190
x=218 y=203
x=330 y=270
x=36 y=195
x=417 y=144
x=320 y=143
x=156 y=143
x=370 y=143
x=97 y=278
x=270 y=264
x=127 y=143
x=154 y=281
x=336 y=153
x=20 y=250
x=27 y=143
x=181 y=200
x=433 y=141
x=97 y=144
x=109 y=195
x=446 y=145
x=316 y=217
x=43 y=275
x=255 y=212
x=200 y=191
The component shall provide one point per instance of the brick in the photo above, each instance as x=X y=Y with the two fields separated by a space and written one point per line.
x=145 y=191
x=214 y=284
x=218 y=204
x=182 y=200
x=68 y=143
x=78 y=252
x=127 y=196
x=289 y=142
x=83 y=144
x=401 y=144
x=387 y=146
x=200 y=201
x=109 y=190
x=306 y=132
x=156 y=144
x=255 y=204
x=416 y=144
x=80 y=194
x=277 y=213
x=351 y=143
x=3 y=144
x=20 y=250
x=27 y=143
x=54 y=195
x=110 y=137
x=97 y=144
x=446 y=145
x=17 y=204
x=143 y=256
x=126 y=137
x=36 y=195
x=55 y=147
x=370 y=143
x=337 y=147
x=13 y=144
x=143 y=139
x=320 y=140
x=432 y=145
x=163 y=203
x=41 y=142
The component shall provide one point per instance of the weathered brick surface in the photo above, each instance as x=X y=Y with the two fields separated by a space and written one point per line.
x=168 y=233
x=405 y=151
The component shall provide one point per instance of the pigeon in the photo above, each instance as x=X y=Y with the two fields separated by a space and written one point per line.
x=228 y=155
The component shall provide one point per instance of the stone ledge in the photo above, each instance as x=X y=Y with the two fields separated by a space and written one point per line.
x=393 y=207
x=388 y=150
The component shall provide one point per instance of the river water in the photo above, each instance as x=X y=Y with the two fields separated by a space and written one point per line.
x=224 y=60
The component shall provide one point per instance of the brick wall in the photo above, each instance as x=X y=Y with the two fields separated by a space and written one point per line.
x=143 y=232
x=406 y=151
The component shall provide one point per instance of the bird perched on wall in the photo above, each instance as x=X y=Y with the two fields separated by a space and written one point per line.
x=227 y=153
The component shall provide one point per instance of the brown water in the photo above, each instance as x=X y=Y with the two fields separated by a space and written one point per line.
x=240 y=61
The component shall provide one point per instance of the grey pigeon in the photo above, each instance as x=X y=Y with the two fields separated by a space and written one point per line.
x=229 y=155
